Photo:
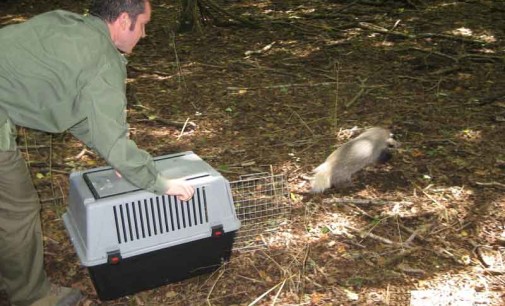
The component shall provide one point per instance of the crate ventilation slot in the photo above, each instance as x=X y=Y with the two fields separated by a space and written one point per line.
x=159 y=215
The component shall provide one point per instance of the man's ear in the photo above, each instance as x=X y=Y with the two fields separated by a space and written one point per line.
x=124 y=20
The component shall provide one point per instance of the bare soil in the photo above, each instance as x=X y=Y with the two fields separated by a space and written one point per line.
x=280 y=98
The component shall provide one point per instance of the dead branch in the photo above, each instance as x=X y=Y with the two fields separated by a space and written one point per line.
x=408 y=270
x=411 y=237
x=440 y=54
x=451 y=37
x=491 y=184
x=183 y=129
x=418 y=232
x=239 y=89
x=51 y=199
x=379 y=29
x=361 y=211
x=260 y=51
x=364 y=235
x=457 y=59
x=361 y=201
x=302 y=121
x=363 y=91
x=213 y=10
x=492 y=271
x=394 y=260
x=149 y=71
x=177 y=124
x=83 y=152
x=446 y=70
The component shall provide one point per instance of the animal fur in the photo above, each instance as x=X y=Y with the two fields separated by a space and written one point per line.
x=371 y=147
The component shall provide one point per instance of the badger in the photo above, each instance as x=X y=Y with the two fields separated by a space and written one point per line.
x=372 y=146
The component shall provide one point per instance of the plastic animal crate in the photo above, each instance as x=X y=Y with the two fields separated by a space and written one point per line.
x=131 y=240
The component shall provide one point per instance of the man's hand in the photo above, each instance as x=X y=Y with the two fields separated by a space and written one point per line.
x=181 y=189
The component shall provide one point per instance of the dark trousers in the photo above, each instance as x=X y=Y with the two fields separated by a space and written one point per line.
x=21 y=248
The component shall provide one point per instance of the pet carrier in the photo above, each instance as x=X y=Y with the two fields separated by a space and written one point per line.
x=131 y=240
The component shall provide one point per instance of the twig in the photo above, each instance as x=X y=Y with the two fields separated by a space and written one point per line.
x=494 y=271
x=83 y=152
x=363 y=91
x=260 y=51
x=302 y=270
x=278 y=292
x=238 y=89
x=410 y=270
x=51 y=199
x=176 y=124
x=183 y=128
x=348 y=6
x=452 y=58
x=451 y=37
x=336 y=71
x=373 y=236
x=362 y=201
x=180 y=75
x=378 y=29
x=419 y=232
x=302 y=121
x=362 y=211
x=259 y=298
x=398 y=257
x=149 y=71
x=275 y=262
x=214 y=285
x=217 y=9
x=436 y=202
x=411 y=237
x=491 y=184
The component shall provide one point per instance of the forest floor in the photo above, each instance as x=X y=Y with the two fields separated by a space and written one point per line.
x=428 y=228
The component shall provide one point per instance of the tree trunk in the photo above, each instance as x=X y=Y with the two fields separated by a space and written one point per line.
x=190 y=17
x=197 y=12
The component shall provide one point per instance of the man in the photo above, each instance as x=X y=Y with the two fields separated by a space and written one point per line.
x=62 y=71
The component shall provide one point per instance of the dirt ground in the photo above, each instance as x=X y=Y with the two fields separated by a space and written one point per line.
x=428 y=228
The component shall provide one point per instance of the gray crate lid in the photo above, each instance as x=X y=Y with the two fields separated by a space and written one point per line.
x=104 y=182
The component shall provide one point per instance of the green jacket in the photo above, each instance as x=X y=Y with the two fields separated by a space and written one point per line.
x=61 y=71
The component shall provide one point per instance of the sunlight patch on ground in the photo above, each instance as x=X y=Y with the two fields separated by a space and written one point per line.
x=462 y=32
x=291 y=47
x=470 y=135
x=454 y=289
x=161 y=132
x=334 y=223
x=466 y=32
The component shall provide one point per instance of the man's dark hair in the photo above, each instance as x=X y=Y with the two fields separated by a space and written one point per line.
x=109 y=10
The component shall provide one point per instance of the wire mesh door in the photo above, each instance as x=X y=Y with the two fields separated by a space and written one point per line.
x=262 y=204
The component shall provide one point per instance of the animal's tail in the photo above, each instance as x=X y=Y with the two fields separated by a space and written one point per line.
x=322 y=177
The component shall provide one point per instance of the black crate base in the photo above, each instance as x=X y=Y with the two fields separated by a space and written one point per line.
x=154 y=269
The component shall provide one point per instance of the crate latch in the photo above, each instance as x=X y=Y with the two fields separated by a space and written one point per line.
x=114 y=257
x=217 y=231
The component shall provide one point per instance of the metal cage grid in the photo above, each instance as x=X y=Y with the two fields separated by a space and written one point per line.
x=262 y=203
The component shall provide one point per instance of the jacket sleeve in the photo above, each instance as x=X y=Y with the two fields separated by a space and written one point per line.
x=106 y=132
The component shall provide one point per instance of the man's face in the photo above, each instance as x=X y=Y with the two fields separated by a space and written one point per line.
x=127 y=37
